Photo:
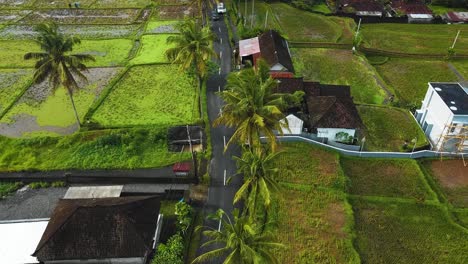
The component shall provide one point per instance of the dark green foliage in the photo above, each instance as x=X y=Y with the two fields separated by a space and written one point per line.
x=171 y=252
x=184 y=216
x=39 y=185
x=58 y=184
x=9 y=187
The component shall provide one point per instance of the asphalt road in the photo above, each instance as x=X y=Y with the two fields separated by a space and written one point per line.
x=220 y=193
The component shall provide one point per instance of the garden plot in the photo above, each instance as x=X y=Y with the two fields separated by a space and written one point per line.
x=161 y=27
x=173 y=2
x=40 y=110
x=122 y=4
x=452 y=177
x=7 y=16
x=341 y=67
x=176 y=12
x=109 y=52
x=390 y=129
x=16 y=3
x=80 y=31
x=12 y=83
x=409 y=78
x=150 y=95
x=386 y=177
x=153 y=49
x=392 y=232
x=83 y=16
x=63 y=3
x=311 y=215
x=415 y=38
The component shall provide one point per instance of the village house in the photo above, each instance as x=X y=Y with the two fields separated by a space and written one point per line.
x=327 y=111
x=103 y=230
x=271 y=47
x=456 y=17
x=444 y=116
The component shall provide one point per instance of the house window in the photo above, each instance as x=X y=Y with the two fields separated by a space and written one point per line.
x=453 y=127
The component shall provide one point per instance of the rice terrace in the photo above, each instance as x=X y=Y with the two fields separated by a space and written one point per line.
x=233 y=131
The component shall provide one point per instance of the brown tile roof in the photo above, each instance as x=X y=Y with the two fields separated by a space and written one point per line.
x=289 y=85
x=332 y=112
x=100 y=228
x=274 y=49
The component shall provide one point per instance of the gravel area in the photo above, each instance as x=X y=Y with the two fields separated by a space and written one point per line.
x=11 y=15
x=164 y=29
x=29 y=204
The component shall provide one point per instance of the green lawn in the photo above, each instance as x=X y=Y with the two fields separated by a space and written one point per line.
x=340 y=67
x=45 y=108
x=152 y=50
x=409 y=78
x=150 y=95
x=392 y=232
x=311 y=216
x=462 y=217
x=386 y=177
x=12 y=83
x=100 y=149
x=415 y=38
x=301 y=25
x=462 y=67
x=109 y=52
x=388 y=128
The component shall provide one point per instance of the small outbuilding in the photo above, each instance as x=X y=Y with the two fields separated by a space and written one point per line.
x=295 y=125
x=456 y=17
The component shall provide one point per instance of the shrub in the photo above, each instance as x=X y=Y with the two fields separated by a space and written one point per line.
x=184 y=216
x=171 y=252
x=39 y=185
x=58 y=184
x=9 y=187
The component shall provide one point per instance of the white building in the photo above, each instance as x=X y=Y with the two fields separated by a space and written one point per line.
x=295 y=125
x=444 y=116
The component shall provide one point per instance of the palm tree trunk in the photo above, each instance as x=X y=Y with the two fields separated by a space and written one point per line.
x=70 y=94
x=200 y=90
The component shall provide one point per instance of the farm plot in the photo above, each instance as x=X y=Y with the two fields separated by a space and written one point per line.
x=409 y=77
x=390 y=129
x=82 y=16
x=305 y=26
x=392 y=232
x=12 y=53
x=150 y=95
x=62 y=3
x=311 y=216
x=16 y=3
x=41 y=111
x=451 y=176
x=176 y=12
x=260 y=8
x=173 y=2
x=339 y=67
x=386 y=177
x=98 y=149
x=12 y=83
x=122 y=4
x=80 y=31
x=7 y=16
x=414 y=38
x=158 y=27
x=153 y=49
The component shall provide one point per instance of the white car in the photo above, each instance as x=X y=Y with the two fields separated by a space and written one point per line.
x=221 y=9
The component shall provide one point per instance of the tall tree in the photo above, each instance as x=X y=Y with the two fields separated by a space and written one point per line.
x=259 y=171
x=240 y=240
x=56 y=63
x=252 y=107
x=192 y=49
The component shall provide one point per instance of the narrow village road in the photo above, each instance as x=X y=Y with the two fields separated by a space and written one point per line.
x=220 y=193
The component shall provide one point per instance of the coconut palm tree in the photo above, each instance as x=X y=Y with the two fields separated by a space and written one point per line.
x=240 y=242
x=55 y=62
x=192 y=49
x=252 y=107
x=259 y=171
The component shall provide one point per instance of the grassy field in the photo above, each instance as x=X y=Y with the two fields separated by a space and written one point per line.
x=101 y=149
x=415 y=38
x=339 y=67
x=12 y=82
x=386 y=177
x=387 y=129
x=462 y=67
x=392 y=232
x=409 y=77
x=312 y=216
x=150 y=95
x=450 y=177
x=301 y=25
x=46 y=108
x=111 y=52
x=153 y=49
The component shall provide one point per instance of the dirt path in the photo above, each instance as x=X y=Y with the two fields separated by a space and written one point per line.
x=457 y=73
